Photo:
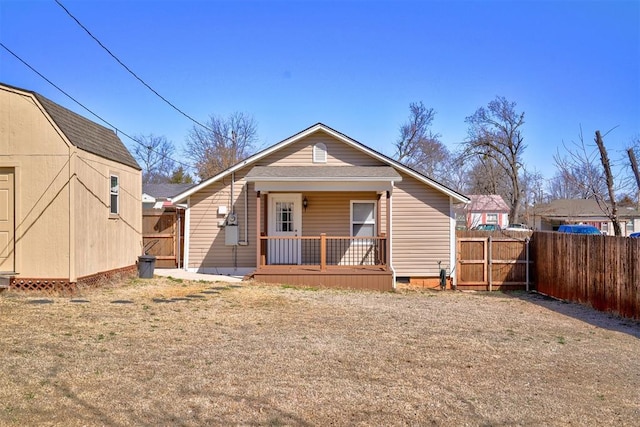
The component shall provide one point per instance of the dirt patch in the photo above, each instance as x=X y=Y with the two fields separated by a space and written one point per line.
x=267 y=355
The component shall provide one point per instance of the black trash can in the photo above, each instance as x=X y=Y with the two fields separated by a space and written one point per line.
x=146 y=264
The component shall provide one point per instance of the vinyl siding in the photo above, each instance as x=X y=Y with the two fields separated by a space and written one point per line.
x=207 y=248
x=421 y=229
x=330 y=212
x=300 y=153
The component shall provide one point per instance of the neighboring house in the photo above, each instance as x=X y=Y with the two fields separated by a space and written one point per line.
x=163 y=223
x=158 y=196
x=550 y=216
x=320 y=208
x=486 y=209
x=70 y=209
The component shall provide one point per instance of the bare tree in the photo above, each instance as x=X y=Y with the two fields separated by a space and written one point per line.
x=636 y=171
x=485 y=176
x=225 y=142
x=588 y=170
x=495 y=133
x=154 y=154
x=532 y=192
x=420 y=148
x=576 y=179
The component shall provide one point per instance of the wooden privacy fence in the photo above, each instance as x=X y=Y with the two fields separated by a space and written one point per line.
x=162 y=232
x=601 y=271
x=493 y=260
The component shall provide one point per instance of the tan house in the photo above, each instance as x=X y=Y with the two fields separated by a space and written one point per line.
x=321 y=209
x=70 y=205
x=550 y=216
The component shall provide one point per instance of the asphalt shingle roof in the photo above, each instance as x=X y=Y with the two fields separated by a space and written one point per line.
x=165 y=190
x=324 y=173
x=88 y=135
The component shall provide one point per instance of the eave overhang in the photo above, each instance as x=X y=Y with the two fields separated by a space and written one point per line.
x=323 y=178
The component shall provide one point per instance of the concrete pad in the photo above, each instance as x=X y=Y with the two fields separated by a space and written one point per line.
x=186 y=275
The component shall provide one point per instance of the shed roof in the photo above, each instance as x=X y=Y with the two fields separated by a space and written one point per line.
x=88 y=135
x=84 y=133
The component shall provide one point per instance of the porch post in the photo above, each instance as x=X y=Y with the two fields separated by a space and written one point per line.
x=389 y=234
x=323 y=251
x=258 y=240
x=378 y=215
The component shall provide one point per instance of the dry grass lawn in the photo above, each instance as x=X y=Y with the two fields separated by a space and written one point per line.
x=165 y=352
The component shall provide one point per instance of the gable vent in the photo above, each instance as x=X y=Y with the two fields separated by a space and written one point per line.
x=319 y=153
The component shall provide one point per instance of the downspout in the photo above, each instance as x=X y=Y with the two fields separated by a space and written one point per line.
x=390 y=233
x=178 y=252
x=246 y=214
x=187 y=238
x=231 y=202
x=232 y=205
x=452 y=246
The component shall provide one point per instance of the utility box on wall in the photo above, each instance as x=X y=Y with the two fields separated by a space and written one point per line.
x=231 y=235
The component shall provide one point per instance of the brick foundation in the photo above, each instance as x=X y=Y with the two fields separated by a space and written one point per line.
x=428 y=282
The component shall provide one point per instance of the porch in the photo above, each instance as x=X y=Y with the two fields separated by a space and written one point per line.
x=326 y=261
x=324 y=226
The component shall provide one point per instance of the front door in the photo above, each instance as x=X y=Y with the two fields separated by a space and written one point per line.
x=7 y=220
x=285 y=222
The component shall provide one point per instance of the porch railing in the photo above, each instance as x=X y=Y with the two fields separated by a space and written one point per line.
x=323 y=251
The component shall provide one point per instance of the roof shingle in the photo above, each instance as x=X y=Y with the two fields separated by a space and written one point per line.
x=87 y=135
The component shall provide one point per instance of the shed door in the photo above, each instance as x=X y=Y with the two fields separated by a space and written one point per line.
x=7 y=220
x=285 y=221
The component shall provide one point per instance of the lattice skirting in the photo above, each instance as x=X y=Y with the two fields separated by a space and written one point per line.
x=43 y=285
x=64 y=285
x=98 y=279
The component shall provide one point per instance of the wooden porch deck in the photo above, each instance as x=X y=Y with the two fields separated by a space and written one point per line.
x=372 y=277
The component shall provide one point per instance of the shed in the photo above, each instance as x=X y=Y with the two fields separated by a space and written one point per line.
x=70 y=208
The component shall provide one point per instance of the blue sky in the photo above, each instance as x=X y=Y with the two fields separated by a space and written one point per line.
x=353 y=65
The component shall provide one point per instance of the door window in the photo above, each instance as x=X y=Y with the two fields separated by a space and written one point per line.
x=284 y=216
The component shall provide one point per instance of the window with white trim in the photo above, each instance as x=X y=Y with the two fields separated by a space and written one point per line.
x=363 y=218
x=629 y=227
x=114 y=192
x=492 y=218
x=319 y=153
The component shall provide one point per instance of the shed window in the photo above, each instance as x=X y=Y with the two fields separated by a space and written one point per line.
x=114 y=191
x=492 y=218
x=320 y=153
x=363 y=219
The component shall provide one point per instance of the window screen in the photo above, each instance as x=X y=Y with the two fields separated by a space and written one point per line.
x=363 y=219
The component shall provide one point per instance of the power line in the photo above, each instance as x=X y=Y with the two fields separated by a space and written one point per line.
x=129 y=69
x=88 y=109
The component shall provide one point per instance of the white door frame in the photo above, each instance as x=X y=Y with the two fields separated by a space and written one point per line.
x=7 y=220
x=285 y=252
